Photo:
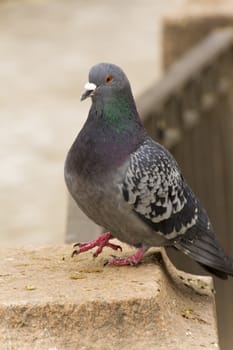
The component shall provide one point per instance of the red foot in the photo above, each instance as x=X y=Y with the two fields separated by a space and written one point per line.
x=131 y=260
x=100 y=242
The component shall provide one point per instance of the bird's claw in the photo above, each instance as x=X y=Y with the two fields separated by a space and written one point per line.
x=75 y=252
x=106 y=261
x=95 y=254
x=131 y=260
x=76 y=245
x=100 y=242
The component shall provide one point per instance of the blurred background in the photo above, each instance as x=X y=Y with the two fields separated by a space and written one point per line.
x=46 y=50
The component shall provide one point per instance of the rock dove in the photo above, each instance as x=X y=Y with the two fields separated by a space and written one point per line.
x=131 y=185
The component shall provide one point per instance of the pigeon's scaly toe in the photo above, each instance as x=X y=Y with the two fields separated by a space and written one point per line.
x=100 y=242
x=131 y=260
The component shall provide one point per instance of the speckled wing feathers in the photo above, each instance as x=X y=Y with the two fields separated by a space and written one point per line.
x=154 y=186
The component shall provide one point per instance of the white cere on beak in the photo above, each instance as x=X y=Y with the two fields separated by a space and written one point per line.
x=90 y=86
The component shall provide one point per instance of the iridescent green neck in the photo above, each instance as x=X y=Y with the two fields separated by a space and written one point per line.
x=119 y=112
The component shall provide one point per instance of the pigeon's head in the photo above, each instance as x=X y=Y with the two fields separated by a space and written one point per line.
x=105 y=79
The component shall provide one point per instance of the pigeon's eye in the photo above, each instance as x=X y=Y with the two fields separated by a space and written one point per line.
x=108 y=79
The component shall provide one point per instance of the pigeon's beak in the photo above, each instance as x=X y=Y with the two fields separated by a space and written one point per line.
x=89 y=88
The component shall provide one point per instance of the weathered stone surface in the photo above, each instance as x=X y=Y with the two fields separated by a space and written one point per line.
x=50 y=301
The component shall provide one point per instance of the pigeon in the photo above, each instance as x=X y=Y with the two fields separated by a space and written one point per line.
x=131 y=185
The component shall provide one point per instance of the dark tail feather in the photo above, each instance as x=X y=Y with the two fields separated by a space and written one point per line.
x=205 y=249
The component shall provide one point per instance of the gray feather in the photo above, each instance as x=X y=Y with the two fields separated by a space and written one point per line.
x=154 y=186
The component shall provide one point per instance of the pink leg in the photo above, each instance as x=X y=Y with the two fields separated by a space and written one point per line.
x=131 y=260
x=100 y=242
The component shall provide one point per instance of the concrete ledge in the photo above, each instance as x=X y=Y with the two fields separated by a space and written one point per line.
x=50 y=301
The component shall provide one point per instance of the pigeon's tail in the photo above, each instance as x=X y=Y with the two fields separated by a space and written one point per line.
x=205 y=249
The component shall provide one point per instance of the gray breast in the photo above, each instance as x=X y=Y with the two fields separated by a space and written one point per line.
x=103 y=202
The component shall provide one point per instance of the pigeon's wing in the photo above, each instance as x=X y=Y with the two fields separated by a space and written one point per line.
x=154 y=187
